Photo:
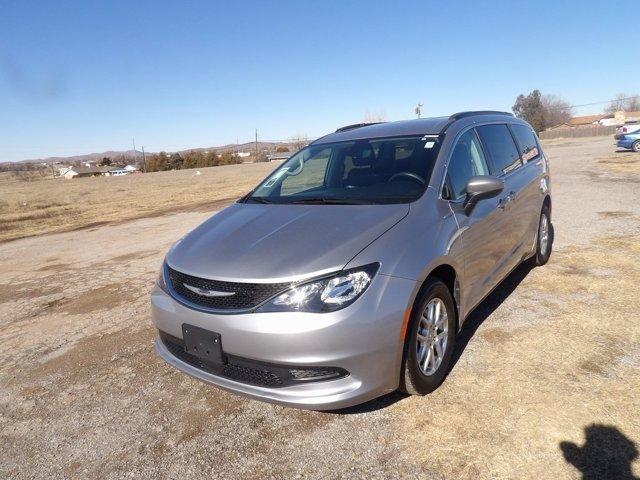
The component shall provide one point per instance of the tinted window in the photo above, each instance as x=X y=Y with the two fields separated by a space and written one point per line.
x=526 y=142
x=502 y=152
x=467 y=160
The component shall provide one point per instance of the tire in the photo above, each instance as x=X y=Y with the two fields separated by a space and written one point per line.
x=543 y=247
x=417 y=380
x=636 y=146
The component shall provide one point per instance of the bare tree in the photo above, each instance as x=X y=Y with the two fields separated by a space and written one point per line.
x=28 y=171
x=624 y=102
x=374 y=117
x=542 y=111
x=298 y=141
x=555 y=110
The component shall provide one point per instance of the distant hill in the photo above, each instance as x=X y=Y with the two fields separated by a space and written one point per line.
x=112 y=154
x=241 y=147
x=130 y=154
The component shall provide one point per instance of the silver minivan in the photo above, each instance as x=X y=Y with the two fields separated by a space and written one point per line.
x=348 y=272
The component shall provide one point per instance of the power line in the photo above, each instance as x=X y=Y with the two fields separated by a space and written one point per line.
x=288 y=140
x=283 y=140
x=596 y=103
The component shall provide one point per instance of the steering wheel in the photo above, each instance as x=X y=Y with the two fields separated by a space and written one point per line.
x=408 y=176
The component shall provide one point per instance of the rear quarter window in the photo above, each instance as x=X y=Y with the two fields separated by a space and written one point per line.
x=527 y=143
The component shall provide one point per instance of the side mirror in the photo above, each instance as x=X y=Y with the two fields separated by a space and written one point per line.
x=479 y=188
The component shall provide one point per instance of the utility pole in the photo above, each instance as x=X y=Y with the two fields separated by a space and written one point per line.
x=256 y=143
x=144 y=161
x=418 y=110
x=135 y=156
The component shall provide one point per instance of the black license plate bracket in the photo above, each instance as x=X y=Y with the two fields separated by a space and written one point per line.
x=202 y=343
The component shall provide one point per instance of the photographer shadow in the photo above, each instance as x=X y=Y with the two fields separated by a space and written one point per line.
x=606 y=454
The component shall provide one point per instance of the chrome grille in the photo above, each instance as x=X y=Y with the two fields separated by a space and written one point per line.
x=218 y=295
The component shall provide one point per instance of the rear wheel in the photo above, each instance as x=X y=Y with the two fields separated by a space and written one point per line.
x=636 y=146
x=431 y=339
x=544 y=239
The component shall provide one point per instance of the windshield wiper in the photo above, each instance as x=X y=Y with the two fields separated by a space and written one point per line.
x=332 y=201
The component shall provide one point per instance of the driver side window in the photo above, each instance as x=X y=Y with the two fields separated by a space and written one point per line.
x=467 y=160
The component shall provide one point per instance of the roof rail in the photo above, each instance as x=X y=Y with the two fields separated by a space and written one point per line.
x=356 y=125
x=459 y=115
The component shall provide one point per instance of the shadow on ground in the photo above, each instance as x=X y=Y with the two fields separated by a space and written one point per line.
x=471 y=325
x=487 y=307
x=606 y=454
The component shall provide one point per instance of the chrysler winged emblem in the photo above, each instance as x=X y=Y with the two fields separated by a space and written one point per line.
x=207 y=293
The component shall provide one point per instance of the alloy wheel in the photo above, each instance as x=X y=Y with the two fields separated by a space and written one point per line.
x=543 y=234
x=431 y=337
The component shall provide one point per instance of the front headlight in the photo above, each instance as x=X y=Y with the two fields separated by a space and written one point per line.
x=324 y=295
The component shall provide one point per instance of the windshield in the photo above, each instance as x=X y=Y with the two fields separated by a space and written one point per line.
x=380 y=170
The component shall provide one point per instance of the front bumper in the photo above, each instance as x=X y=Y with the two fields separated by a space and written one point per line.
x=363 y=339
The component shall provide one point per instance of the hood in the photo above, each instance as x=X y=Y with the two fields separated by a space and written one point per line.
x=280 y=243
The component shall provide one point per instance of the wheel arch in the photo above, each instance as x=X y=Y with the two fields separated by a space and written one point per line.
x=448 y=275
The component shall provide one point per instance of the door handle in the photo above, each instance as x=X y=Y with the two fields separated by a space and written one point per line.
x=504 y=201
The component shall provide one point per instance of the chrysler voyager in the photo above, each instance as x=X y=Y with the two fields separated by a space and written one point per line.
x=348 y=272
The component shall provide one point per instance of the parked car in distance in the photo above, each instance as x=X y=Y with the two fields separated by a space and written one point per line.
x=628 y=136
x=349 y=271
x=629 y=127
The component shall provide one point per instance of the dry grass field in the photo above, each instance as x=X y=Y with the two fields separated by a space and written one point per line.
x=54 y=205
x=621 y=161
x=545 y=383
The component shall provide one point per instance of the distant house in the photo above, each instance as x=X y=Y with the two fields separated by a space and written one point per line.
x=61 y=170
x=79 y=172
x=278 y=156
x=625 y=117
x=244 y=154
x=582 y=121
x=131 y=168
x=587 y=120
x=603 y=119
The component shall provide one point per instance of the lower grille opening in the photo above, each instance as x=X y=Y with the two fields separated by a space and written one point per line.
x=252 y=372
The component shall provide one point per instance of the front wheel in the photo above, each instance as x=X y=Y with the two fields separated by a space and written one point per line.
x=636 y=146
x=431 y=339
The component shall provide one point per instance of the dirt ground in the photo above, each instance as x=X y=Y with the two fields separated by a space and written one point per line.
x=49 y=205
x=546 y=382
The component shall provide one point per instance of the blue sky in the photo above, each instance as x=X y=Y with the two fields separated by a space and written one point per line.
x=80 y=76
